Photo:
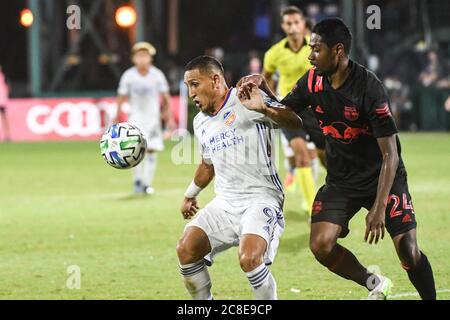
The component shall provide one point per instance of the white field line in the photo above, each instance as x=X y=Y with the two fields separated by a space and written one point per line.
x=412 y=294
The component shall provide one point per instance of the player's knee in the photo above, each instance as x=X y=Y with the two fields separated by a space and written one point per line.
x=410 y=254
x=186 y=252
x=249 y=261
x=321 y=246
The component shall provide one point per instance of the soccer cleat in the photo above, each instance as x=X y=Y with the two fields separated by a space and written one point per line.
x=148 y=190
x=382 y=290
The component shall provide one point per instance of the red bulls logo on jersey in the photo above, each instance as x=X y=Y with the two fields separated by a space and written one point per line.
x=342 y=131
x=316 y=207
x=351 y=113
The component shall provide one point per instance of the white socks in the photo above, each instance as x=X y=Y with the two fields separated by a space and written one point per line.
x=263 y=283
x=197 y=280
x=149 y=169
x=145 y=171
x=138 y=171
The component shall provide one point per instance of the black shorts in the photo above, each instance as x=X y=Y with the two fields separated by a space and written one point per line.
x=295 y=133
x=310 y=131
x=333 y=205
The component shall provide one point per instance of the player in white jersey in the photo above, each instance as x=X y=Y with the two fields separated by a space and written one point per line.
x=144 y=85
x=236 y=149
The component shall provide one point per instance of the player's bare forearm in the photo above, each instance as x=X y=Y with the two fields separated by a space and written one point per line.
x=284 y=117
x=246 y=83
x=375 y=219
x=281 y=115
x=204 y=174
x=388 y=147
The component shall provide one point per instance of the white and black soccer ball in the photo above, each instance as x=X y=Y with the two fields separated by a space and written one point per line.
x=123 y=145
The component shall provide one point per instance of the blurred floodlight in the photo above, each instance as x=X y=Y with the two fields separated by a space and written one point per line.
x=26 y=18
x=125 y=16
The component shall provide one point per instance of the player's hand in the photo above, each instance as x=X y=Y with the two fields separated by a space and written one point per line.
x=375 y=221
x=255 y=100
x=245 y=85
x=189 y=207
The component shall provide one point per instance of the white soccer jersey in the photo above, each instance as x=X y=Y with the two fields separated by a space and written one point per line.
x=144 y=95
x=239 y=144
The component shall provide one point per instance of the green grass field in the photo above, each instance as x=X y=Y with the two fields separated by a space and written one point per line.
x=61 y=205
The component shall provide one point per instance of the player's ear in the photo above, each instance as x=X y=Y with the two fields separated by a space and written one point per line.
x=216 y=80
x=340 y=50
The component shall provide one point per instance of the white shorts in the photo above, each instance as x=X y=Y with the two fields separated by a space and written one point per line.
x=154 y=136
x=225 y=225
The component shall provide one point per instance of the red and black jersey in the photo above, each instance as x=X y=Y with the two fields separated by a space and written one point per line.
x=351 y=117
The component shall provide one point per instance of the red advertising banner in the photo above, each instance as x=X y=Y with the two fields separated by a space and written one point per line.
x=62 y=118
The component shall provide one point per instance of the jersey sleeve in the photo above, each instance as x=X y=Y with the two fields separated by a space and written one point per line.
x=163 y=85
x=299 y=98
x=124 y=85
x=269 y=64
x=377 y=107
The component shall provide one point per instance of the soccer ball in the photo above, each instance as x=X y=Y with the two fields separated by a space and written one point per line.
x=123 y=146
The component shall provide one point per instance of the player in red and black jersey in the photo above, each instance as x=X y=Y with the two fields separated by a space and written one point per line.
x=365 y=168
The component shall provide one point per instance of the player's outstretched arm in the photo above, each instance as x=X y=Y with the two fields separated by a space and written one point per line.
x=203 y=176
x=375 y=219
x=281 y=115
x=245 y=85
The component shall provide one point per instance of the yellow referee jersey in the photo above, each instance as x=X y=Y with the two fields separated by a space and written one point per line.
x=290 y=65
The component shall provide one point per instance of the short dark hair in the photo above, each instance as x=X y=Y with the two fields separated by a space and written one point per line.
x=334 y=31
x=204 y=64
x=290 y=10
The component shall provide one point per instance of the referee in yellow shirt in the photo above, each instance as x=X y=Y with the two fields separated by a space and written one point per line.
x=289 y=58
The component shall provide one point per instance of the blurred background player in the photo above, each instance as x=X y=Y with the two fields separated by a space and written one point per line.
x=146 y=86
x=289 y=58
x=247 y=209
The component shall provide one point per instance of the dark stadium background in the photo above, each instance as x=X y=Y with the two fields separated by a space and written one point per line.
x=410 y=29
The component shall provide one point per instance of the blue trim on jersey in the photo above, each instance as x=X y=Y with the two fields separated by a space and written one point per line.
x=270 y=139
x=275 y=173
x=273 y=176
